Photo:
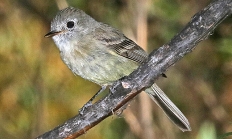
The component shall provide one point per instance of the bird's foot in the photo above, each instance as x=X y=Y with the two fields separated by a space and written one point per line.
x=81 y=111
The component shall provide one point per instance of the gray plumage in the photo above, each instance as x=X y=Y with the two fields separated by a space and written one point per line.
x=102 y=54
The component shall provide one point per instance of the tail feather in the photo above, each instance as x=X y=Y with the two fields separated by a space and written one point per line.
x=169 y=108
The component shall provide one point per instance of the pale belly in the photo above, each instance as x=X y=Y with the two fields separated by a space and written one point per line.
x=100 y=68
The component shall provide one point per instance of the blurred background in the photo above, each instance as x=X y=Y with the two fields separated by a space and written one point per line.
x=38 y=92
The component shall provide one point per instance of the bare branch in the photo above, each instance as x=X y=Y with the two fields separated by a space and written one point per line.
x=198 y=29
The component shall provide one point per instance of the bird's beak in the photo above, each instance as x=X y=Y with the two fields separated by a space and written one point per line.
x=53 y=33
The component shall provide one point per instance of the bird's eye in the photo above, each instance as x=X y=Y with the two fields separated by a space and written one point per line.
x=70 y=24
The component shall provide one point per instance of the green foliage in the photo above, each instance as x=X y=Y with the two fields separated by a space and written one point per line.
x=207 y=131
x=223 y=136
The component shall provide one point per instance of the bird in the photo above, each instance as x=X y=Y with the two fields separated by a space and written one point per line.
x=102 y=54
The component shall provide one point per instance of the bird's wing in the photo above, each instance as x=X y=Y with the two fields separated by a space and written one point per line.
x=117 y=42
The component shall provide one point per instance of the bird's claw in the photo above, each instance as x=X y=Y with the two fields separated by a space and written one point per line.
x=81 y=111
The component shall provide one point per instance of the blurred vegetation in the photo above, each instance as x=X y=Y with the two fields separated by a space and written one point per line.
x=38 y=92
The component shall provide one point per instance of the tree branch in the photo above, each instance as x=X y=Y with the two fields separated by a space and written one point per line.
x=199 y=28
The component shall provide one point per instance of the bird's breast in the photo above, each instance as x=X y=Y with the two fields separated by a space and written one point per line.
x=99 y=66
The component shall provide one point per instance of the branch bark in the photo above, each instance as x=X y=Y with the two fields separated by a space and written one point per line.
x=199 y=28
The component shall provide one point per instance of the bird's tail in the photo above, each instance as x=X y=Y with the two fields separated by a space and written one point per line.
x=169 y=108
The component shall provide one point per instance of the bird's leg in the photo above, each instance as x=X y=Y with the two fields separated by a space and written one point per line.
x=89 y=103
